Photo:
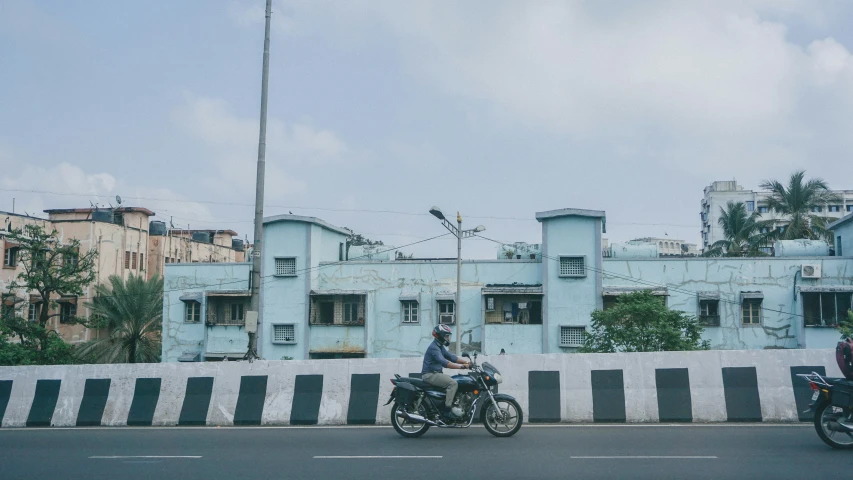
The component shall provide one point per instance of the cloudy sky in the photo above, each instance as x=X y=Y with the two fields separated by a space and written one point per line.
x=379 y=110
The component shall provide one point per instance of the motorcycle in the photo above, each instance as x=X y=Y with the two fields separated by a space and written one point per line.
x=419 y=405
x=832 y=405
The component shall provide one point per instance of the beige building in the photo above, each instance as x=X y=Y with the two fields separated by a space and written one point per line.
x=127 y=241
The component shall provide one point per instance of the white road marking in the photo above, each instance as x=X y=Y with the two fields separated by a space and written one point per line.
x=645 y=457
x=326 y=457
x=113 y=457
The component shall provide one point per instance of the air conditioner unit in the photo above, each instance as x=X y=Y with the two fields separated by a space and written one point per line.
x=446 y=318
x=811 y=271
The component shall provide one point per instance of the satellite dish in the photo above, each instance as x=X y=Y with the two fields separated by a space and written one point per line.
x=118 y=199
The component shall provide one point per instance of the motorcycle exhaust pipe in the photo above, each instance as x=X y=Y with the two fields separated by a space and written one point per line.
x=418 y=419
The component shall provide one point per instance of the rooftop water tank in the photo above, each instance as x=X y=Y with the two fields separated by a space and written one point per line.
x=157 y=228
x=633 y=250
x=801 y=248
x=202 y=237
x=237 y=244
x=519 y=251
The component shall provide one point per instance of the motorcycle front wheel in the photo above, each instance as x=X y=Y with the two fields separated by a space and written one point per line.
x=503 y=421
x=826 y=420
x=404 y=426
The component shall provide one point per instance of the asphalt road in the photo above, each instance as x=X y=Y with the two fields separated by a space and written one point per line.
x=540 y=452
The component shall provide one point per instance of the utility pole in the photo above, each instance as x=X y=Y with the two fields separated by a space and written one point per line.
x=460 y=234
x=254 y=306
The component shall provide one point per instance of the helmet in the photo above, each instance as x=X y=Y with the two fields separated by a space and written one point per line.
x=442 y=332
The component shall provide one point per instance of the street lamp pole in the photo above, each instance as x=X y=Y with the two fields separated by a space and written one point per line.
x=459 y=234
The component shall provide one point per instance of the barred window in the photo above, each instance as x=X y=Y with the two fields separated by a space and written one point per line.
x=572 y=267
x=285 y=266
x=571 y=336
x=284 y=333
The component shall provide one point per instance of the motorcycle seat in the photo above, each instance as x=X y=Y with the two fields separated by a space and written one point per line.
x=417 y=382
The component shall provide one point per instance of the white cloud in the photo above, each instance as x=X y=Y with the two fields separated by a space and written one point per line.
x=37 y=188
x=232 y=141
x=714 y=86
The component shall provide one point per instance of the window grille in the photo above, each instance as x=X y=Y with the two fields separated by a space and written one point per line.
x=285 y=266
x=571 y=336
x=572 y=267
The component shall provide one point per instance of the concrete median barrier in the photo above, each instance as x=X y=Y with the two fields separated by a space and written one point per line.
x=710 y=386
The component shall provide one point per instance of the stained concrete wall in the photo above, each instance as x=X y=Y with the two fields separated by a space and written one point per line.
x=706 y=395
x=180 y=336
x=782 y=323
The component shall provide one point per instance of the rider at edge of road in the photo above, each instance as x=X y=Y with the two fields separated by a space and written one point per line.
x=436 y=359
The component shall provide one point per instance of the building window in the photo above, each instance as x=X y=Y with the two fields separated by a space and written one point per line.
x=10 y=258
x=285 y=266
x=709 y=312
x=764 y=230
x=133 y=261
x=69 y=260
x=572 y=267
x=750 y=206
x=237 y=312
x=34 y=311
x=490 y=304
x=838 y=248
x=850 y=208
x=516 y=310
x=284 y=333
x=763 y=209
x=751 y=311
x=337 y=309
x=351 y=305
x=142 y=261
x=447 y=312
x=817 y=209
x=226 y=311
x=835 y=208
x=572 y=336
x=67 y=312
x=410 y=311
x=126 y=259
x=826 y=308
x=192 y=312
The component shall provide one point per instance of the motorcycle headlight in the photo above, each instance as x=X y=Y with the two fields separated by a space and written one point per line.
x=498 y=378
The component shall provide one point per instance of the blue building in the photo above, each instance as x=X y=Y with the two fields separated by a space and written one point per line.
x=322 y=299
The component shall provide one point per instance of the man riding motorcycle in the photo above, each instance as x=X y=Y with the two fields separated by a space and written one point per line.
x=436 y=359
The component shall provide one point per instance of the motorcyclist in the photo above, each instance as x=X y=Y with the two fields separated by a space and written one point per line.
x=436 y=359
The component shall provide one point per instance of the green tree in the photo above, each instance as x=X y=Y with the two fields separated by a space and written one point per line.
x=742 y=232
x=49 y=269
x=797 y=201
x=132 y=312
x=640 y=322
x=846 y=327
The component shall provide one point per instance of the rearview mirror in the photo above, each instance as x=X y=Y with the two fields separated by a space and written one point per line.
x=466 y=355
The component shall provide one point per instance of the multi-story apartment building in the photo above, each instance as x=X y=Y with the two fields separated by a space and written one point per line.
x=718 y=194
x=127 y=242
x=317 y=302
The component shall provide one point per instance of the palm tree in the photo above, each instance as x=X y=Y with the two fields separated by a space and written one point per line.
x=797 y=201
x=742 y=233
x=132 y=312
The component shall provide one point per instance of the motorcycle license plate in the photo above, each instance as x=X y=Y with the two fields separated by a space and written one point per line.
x=815 y=395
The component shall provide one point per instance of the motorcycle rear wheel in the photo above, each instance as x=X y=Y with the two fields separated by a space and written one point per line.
x=826 y=413
x=405 y=427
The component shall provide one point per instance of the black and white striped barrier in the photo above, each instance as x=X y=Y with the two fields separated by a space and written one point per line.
x=717 y=386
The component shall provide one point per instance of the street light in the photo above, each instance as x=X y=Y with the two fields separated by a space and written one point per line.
x=459 y=234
